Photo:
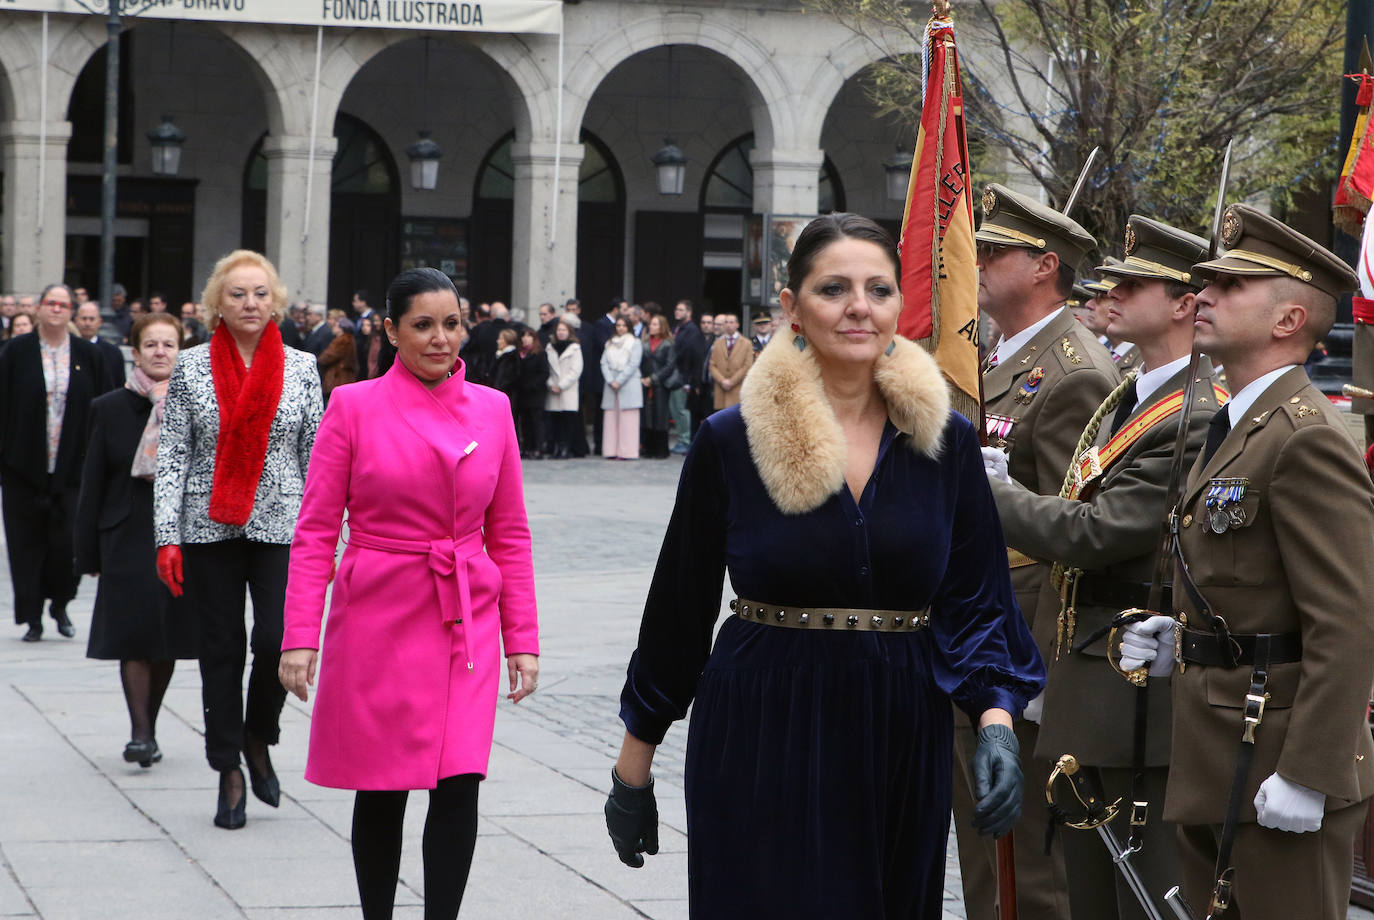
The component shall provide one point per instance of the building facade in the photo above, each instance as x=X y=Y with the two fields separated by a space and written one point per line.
x=297 y=136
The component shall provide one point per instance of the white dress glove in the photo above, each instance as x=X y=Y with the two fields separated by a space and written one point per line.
x=1034 y=709
x=995 y=463
x=1149 y=641
x=1286 y=806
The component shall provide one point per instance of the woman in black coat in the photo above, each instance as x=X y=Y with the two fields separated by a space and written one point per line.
x=659 y=376
x=136 y=620
x=529 y=396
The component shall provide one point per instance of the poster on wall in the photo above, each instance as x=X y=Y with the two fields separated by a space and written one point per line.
x=783 y=231
x=751 y=278
x=437 y=242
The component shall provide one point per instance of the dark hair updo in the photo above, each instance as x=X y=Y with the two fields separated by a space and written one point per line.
x=409 y=284
x=828 y=228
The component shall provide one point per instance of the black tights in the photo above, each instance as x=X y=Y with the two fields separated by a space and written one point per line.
x=450 y=835
x=145 y=683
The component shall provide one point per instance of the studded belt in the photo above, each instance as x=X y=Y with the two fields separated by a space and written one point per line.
x=836 y=618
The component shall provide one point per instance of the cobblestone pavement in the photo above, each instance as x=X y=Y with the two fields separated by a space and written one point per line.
x=84 y=835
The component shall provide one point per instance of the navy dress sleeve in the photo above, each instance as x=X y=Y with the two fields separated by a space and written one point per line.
x=985 y=656
x=684 y=599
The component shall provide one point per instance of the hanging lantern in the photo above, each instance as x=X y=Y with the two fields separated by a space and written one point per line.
x=672 y=168
x=166 y=140
x=424 y=163
x=898 y=169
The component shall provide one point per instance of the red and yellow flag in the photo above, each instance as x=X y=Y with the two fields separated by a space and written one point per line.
x=939 y=267
x=1356 y=186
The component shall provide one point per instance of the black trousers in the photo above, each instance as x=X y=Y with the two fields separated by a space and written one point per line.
x=529 y=424
x=216 y=577
x=39 y=539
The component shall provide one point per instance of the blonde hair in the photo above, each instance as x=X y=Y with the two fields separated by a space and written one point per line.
x=214 y=288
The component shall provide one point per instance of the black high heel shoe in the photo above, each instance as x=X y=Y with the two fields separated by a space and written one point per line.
x=143 y=753
x=265 y=785
x=230 y=817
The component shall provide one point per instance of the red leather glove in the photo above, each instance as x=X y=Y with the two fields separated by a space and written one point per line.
x=169 y=568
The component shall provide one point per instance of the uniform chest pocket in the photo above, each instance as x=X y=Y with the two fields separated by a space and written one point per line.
x=1233 y=546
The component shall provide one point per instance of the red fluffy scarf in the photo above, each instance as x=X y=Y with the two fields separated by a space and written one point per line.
x=247 y=398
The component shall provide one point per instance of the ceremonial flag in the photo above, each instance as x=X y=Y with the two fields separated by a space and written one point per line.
x=1356 y=186
x=939 y=263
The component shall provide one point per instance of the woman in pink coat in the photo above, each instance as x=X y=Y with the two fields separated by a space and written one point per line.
x=436 y=577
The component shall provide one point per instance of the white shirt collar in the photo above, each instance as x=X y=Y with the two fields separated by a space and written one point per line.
x=1008 y=347
x=1242 y=401
x=1150 y=381
x=1121 y=348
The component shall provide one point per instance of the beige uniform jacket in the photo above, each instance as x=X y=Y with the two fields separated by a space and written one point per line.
x=1041 y=420
x=1114 y=536
x=732 y=364
x=1300 y=562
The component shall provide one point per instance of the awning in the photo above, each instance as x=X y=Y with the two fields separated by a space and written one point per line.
x=544 y=16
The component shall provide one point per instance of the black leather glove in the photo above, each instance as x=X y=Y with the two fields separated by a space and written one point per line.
x=996 y=781
x=632 y=820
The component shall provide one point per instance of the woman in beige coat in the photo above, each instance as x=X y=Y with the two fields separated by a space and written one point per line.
x=565 y=369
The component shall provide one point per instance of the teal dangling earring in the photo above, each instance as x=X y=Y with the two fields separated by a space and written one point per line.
x=797 y=339
x=891 y=347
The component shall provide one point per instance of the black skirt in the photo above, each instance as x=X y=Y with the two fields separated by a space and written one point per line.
x=817 y=777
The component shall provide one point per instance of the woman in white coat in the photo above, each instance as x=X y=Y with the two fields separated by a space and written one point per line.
x=565 y=370
x=622 y=394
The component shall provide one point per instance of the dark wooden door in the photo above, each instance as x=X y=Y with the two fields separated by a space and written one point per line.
x=493 y=234
x=170 y=248
x=667 y=256
x=364 y=248
x=600 y=253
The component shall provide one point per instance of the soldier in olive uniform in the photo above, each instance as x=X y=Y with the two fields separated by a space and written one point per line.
x=1041 y=384
x=1105 y=536
x=1273 y=587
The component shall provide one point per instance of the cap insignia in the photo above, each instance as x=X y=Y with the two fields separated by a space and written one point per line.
x=989 y=202
x=1230 y=228
x=1130 y=239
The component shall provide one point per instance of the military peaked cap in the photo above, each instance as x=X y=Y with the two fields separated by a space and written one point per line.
x=1260 y=245
x=1012 y=219
x=1158 y=251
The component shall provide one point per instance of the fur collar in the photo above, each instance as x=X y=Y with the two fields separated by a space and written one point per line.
x=794 y=437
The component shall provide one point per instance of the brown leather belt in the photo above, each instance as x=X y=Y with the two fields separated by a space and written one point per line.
x=835 y=618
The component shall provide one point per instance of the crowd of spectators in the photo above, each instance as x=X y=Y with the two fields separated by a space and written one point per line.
x=577 y=386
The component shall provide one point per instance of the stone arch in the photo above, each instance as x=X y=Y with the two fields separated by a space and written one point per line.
x=845 y=61
x=71 y=44
x=288 y=61
x=771 y=115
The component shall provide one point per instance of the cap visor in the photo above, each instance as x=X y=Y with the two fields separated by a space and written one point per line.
x=1235 y=265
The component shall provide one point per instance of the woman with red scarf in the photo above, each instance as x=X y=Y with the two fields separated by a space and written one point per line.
x=238 y=427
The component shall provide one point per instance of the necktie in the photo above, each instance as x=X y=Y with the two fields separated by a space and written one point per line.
x=729 y=344
x=1123 y=408
x=1216 y=433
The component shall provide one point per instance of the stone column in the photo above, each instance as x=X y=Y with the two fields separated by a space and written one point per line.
x=786 y=181
x=297 y=242
x=34 y=251
x=543 y=271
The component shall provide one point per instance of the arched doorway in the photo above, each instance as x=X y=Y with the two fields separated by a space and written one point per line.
x=728 y=220
x=364 y=210
x=600 y=224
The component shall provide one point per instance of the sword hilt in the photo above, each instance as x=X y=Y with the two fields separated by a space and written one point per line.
x=1098 y=811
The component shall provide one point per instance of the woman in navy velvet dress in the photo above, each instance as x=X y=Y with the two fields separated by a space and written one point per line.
x=850 y=507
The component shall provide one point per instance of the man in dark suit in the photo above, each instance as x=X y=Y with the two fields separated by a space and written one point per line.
x=88 y=323
x=703 y=387
x=319 y=333
x=593 y=343
x=291 y=326
x=47 y=381
x=547 y=320
x=689 y=350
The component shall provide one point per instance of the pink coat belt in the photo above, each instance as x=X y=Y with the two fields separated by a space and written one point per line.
x=447 y=558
